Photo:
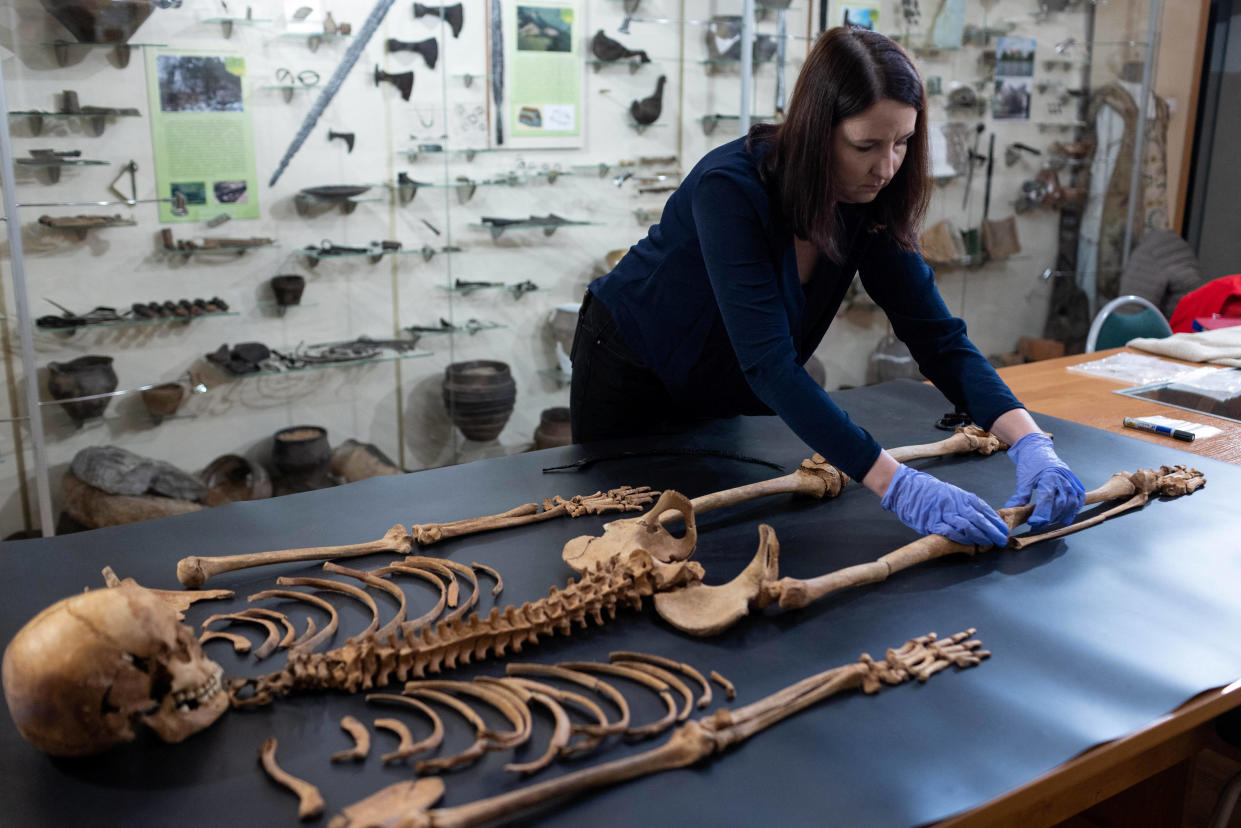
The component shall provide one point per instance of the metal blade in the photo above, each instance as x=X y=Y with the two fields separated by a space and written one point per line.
x=354 y=52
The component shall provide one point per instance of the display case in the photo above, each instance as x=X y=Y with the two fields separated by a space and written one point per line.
x=465 y=171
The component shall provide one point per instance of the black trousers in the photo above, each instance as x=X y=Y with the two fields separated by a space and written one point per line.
x=611 y=393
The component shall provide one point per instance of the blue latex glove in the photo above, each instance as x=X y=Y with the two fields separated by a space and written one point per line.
x=933 y=507
x=1059 y=495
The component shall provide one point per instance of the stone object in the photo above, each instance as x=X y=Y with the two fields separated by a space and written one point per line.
x=353 y=461
x=115 y=470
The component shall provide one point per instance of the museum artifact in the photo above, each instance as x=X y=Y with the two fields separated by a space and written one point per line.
x=919 y=658
x=646 y=111
x=84 y=384
x=68 y=319
x=479 y=396
x=429 y=49
x=333 y=85
x=164 y=399
x=310 y=801
x=352 y=461
x=231 y=477
x=121 y=659
x=553 y=429
x=347 y=137
x=288 y=288
x=453 y=15
x=207 y=245
x=104 y=21
x=361 y=741
x=302 y=458
x=403 y=81
x=607 y=49
x=79 y=225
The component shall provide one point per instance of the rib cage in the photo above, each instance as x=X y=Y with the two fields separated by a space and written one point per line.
x=372 y=662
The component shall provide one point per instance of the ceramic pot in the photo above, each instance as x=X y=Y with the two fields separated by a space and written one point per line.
x=300 y=449
x=302 y=458
x=163 y=400
x=479 y=396
x=288 y=289
x=82 y=377
x=100 y=21
x=231 y=477
x=553 y=428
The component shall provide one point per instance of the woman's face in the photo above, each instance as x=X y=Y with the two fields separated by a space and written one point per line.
x=868 y=148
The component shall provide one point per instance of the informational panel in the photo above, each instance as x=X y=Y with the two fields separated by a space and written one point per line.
x=540 y=74
x=202 y=134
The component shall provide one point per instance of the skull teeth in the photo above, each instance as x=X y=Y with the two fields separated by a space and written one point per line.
x=203 y=692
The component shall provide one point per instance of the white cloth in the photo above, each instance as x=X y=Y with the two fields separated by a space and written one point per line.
x=1218 y=347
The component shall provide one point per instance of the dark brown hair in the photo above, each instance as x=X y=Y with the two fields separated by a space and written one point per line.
x=848 y=70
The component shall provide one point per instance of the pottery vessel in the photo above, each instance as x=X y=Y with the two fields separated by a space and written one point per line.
x=100 y=21
x=82 y=377
x=479 y=396
x=231 y=477
x=301 y=456
x=163 y=400
x=288 y=289
x=553 y=428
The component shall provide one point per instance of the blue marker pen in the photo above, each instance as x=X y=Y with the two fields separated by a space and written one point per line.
x=1167 y=431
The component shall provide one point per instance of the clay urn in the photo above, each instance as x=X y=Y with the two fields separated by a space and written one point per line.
x=82 y=377
x=553 y=428
x=100 y=21
x=163 y=400
x=301 y=456
x=479 y=396
x=288 y=289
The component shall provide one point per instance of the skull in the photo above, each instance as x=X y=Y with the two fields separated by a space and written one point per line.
x=82 y=671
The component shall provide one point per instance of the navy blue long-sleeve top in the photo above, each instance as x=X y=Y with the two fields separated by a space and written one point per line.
x=711 y=302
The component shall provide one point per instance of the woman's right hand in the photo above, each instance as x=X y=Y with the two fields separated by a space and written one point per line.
x=933 y=507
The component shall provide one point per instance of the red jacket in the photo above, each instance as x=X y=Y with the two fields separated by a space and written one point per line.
x=1221 y=296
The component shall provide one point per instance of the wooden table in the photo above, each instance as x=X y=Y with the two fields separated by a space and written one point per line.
x=1166 y=744
x=1048 y=388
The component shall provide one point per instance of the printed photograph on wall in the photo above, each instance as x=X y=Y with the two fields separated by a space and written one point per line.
x=536 y=66
x=866 y=17
x=1014 y=78
x=201 y=133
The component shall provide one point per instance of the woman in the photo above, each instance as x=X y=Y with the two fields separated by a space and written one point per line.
x=715 y=312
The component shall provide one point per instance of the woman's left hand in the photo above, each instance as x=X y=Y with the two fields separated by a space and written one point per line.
x=1045 y=477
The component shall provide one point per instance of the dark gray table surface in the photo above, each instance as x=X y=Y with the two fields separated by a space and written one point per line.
x=1093 y=636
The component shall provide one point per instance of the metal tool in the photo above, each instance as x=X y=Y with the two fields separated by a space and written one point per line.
x=497 y=68
x=404 y=81
x=347 y=137
x=333 y=85
x=986 y=197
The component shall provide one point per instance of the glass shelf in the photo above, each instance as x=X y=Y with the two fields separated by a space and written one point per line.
x=305 y=368
x=710 y=122
x=314 y=255
x=469 y=153
x=547 y=227
x=518 y=289
x=466 y=329
x=60 y=48
x=239 y=250
x=122 y=323
x=313 y=39
x=287 y=89
x=227 y=23
x=272 y=304
x=66 y=162
x=98 y=120
x=634 y=64
x=468 y=78
x=641 y=128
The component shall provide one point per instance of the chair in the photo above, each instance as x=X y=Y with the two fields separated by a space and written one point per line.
x=1163 y=268
x=1112 y=328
